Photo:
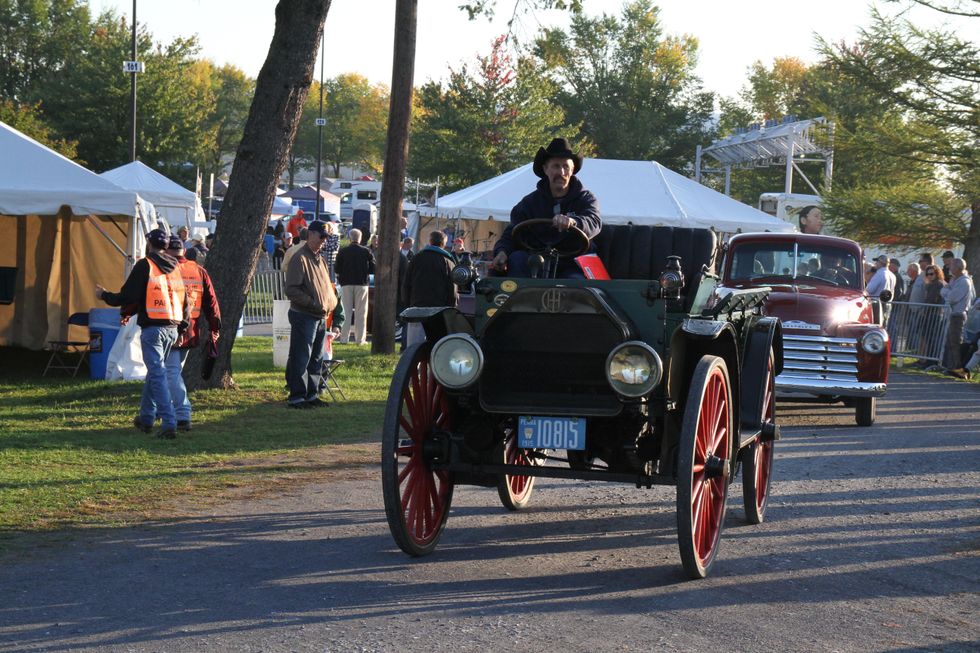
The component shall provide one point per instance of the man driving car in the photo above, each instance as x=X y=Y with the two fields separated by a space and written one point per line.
x=559 y=196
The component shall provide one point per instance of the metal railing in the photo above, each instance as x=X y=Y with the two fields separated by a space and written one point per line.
x=267 y=287
x=918 y=330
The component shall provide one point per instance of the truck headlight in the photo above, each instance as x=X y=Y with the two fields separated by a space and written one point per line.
x=874 y=342
x=457 y=361
x=633 y=369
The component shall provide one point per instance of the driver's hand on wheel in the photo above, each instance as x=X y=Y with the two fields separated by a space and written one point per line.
x=563 y=222
x=500 y=261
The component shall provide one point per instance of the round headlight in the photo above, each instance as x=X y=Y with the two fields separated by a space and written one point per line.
x=633 y=369
x=456 y=361
x=873 y=342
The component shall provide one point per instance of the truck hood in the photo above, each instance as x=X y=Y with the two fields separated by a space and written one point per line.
x=817 y=309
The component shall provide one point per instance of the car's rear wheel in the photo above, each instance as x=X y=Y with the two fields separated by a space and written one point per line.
x=703 y=465
x=416 y=497
x=865 y=410
x=757 y=459
x=515 y=491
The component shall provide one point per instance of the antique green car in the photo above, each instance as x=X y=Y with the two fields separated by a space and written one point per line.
x=656 y=376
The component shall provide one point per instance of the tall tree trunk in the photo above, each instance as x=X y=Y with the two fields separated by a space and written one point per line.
x=396 y=158
x=280 y=91
x=971 y=246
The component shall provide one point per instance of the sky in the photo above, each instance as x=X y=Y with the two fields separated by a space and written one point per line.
x=733 y=34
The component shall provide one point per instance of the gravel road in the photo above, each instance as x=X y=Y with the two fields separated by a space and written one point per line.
x=872 y=544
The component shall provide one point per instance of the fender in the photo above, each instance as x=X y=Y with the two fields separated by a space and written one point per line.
x=764 y=335
x=438 y=321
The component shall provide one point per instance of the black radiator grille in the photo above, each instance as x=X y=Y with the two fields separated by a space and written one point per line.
x=549 y=364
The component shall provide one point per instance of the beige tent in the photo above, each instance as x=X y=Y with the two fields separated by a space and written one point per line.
x=63 y=229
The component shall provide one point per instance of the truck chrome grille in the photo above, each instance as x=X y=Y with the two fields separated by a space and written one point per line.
x=819 y=357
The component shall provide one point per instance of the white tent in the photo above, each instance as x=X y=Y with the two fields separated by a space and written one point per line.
x=62 y=230
x=175 y=203
x=637 y=192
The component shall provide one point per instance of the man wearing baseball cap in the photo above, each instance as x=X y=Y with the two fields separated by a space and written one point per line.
x=156 y=289
x=201 y=300
x=314 y=308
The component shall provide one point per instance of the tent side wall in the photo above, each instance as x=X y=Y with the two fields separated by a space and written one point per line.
x=58 y=260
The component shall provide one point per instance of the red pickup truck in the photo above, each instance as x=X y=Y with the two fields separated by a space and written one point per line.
x=834 y=345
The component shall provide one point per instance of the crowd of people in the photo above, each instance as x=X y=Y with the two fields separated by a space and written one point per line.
x=925 y=284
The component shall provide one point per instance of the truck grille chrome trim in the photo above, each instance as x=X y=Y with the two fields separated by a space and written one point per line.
x=823 y=365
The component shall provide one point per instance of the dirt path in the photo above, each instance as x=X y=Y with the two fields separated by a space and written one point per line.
x=872 y=545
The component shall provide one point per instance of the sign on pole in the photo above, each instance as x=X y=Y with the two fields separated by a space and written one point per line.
x=133 y=67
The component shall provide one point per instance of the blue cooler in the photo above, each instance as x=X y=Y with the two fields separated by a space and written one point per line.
x=103 y=327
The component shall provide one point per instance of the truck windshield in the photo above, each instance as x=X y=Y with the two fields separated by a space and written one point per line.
x=752 y=262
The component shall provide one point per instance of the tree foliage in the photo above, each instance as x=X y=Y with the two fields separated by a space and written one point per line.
x=356 y=114
x=28 y=120
x=632 y=87
x=932 y=81
x=485 y=120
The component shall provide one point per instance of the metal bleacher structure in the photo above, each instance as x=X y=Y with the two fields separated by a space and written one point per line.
x=787 y=142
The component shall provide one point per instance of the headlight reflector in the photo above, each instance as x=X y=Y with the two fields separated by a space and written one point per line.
x=633 y=369
x=873 y=342
x=457 y=361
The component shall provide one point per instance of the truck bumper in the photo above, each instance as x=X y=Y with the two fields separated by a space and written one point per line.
x=786 y=383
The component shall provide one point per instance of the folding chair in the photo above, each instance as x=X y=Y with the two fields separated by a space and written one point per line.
x=328 y=381
x=61 y=349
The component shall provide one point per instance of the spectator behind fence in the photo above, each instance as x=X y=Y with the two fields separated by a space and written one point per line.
x=355 y=264
x=291 y=252
x=948 y=256
x=895 y=267
x=883 y=278
x=330 y=248
x=930 y=322
x=916 y=291
x=972 y=356
x=959 y=294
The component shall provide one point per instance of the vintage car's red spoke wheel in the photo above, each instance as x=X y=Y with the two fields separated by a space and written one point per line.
x=703 y=462
x=416 y=497
x=757 y=459
x=515 y=491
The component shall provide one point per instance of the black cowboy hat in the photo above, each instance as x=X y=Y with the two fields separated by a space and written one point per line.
x=558 y=148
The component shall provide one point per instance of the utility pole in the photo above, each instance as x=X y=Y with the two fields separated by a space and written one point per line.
x=133 y=67
x=320 y=122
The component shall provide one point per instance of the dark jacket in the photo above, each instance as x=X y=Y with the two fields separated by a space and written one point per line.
x=354 y=263
x=210 y=311
x=133 y=293
x=427 y=281
x=579 y=203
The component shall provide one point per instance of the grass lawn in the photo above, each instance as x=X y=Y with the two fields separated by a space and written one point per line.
x=69 y=454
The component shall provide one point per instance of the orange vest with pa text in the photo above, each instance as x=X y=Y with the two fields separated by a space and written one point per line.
x=164 y=294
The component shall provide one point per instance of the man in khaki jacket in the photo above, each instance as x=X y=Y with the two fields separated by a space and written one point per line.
x=314 y=307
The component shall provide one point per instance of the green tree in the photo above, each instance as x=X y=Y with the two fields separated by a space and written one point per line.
x=29 y=121
x=231 y=95
x=38 y=39
x=484 y=122
x=633 y=88
x=89 y=101
x=356 y=114
x=932 y=80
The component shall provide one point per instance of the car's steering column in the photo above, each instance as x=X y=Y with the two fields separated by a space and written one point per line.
x=546 y=245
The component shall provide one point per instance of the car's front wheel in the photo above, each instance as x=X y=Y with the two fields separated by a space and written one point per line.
x=865 y=410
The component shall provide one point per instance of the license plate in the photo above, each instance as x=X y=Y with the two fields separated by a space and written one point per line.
x=551 y=433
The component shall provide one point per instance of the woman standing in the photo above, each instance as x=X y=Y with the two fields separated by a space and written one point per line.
x=932 y=320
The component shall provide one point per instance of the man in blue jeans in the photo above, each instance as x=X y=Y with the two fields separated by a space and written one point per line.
x=314 y=307
x=155 y=288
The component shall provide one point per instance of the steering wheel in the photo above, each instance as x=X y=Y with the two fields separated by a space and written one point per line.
x=540 y=236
